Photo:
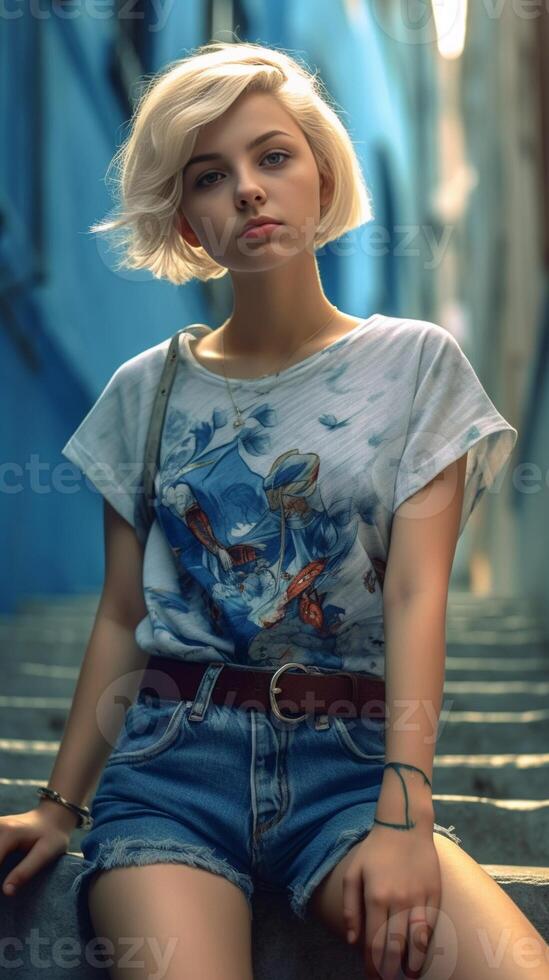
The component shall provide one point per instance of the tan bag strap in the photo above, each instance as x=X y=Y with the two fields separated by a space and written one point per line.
x=144 y=505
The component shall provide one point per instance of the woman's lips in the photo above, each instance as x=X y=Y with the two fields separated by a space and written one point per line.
x=260 y=231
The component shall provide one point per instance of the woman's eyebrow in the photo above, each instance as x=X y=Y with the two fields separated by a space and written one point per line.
x=218 y=156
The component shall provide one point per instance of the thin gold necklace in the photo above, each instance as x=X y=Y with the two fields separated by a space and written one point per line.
x=239 y=419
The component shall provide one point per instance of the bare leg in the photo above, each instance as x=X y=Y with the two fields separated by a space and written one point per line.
x=480 y=932
x=171 y=922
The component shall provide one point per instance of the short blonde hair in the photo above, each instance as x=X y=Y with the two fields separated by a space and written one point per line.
x=167 y=117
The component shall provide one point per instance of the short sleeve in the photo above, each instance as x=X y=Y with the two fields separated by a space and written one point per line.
x=451 y=414
x=107 y=446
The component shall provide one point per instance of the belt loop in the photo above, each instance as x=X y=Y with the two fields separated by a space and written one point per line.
x=322 y=722
x=204 y=692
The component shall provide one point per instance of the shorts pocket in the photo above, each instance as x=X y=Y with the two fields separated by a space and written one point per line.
x=150 y=726
x=361 y=738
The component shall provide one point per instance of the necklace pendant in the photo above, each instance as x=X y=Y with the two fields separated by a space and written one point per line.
x=238 y=422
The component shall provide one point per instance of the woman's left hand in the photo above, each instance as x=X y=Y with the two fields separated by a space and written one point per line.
x=394 y=878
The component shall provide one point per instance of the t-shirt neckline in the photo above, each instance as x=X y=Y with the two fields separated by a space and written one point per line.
x=304 y=364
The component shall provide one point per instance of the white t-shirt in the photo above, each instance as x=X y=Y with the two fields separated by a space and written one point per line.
x=270 y=540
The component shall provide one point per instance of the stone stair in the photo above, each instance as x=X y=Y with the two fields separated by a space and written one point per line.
x=491 y=776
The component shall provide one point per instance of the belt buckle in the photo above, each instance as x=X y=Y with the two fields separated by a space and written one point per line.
x=273 y=691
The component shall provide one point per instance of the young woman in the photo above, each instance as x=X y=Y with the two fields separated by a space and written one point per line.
x=280 y=635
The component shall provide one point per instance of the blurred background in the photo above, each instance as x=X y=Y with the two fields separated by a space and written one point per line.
x=447 y=103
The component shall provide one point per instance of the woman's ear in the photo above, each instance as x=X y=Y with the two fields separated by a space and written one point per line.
x=326 y=189
x=185 y=229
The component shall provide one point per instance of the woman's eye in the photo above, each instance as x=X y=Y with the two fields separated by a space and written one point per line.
x=200 y=181
x=276 y=153
x=203 y=182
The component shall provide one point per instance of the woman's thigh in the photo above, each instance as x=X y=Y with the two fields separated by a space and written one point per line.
x=480 y=932
x=171 y=920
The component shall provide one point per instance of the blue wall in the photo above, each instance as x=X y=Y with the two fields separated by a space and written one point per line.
x=69 y=319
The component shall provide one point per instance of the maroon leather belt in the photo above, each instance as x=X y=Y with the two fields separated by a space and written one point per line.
x=308 y=691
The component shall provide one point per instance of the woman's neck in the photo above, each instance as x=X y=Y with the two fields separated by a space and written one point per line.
x=274 y=310
x=208 y=350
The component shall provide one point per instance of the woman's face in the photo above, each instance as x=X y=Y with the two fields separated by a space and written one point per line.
x=278 y=177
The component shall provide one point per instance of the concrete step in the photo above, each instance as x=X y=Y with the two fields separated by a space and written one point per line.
x=491 y=762
x=45 y=722
x=502 y=695
x=512 y=623
x=495 y=830
x=76 y=632
x=514 y=831
x=62 y=644
x=496 y=776
x=55 y=605
x=24 y=678
x=465 y=731
x=505 y=646
x=44 y=659
x=515 y=667
x=510 y=644
x=473 y=732
x=492 y=604
x=282 y=946
x=529 y=889
x=68 y=649
x=459 y=604
x=47 y=660
x=510 y=620
x=44 y=654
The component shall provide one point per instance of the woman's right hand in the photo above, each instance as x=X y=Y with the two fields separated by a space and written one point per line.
x=44 y=833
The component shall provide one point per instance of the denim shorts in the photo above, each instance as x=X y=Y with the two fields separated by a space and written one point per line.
x=235 y=791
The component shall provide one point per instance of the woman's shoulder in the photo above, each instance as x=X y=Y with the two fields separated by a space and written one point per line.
x=139 y=375
x=405 y=340
x=148 y=361
x=412 y=329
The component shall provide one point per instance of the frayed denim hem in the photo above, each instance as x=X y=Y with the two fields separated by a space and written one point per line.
x=127 y=852
x=300 y=895
x=447 y=832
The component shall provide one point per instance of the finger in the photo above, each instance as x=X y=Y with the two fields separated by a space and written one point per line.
x=397 y=931
x=26 y=868
x=375 y=932
x=418 y=939
x=352 y=906
x=419 y=948
x=432 y=906
x=15 y=838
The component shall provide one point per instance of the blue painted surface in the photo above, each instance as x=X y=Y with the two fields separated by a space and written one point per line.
x=69 y=320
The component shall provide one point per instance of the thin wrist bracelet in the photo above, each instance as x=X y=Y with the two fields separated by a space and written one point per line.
x=407 y=765
x=85 y=820
x=396 y=766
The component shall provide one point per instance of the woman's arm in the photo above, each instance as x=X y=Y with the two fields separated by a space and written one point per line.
x=112 y=663
x=423 y=542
